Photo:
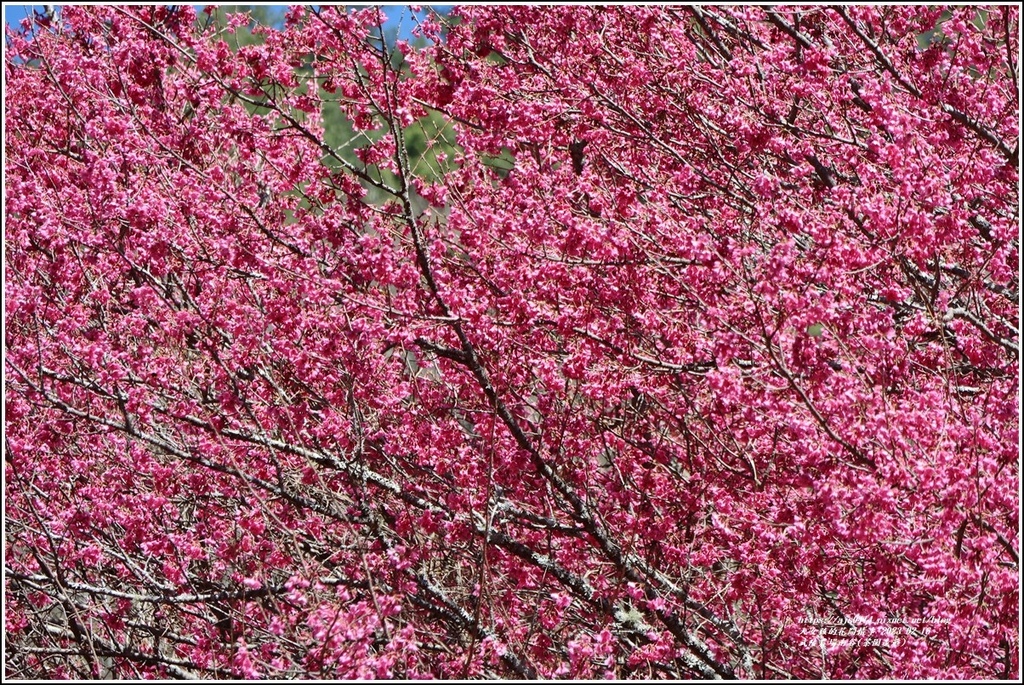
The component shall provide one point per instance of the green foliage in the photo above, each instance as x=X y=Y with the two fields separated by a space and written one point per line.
x=425 y=139
x=260 y=15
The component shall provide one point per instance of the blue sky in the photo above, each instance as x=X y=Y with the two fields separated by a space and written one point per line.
x=398 y=15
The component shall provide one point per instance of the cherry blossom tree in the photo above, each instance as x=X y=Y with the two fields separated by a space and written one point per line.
x=689 y=348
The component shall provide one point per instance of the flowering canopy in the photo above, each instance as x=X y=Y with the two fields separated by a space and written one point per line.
x=692 y=353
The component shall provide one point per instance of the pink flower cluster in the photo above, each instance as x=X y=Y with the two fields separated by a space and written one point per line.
x=702 y=321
